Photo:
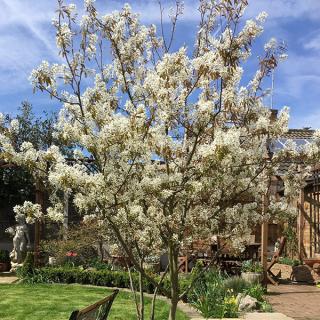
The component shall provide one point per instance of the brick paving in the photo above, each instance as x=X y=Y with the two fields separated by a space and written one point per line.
x=301 y=302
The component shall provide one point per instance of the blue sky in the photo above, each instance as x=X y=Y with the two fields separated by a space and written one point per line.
x=27 y=38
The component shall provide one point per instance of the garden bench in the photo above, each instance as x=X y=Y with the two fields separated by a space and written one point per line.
x=96 y=311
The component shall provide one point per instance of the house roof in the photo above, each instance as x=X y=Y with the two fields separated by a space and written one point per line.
x=305 y=133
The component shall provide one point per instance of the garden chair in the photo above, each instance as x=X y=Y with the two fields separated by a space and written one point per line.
x=275 y=259
x=97 y=311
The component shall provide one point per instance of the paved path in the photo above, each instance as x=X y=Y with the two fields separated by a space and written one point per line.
x=8 y=280
x=301 y=302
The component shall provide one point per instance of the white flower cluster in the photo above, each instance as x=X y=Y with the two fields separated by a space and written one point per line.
x=31 y=211
x=176 y=148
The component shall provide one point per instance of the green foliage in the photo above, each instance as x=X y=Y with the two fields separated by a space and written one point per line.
x=103 y=277
x=256 y=291
x=211 y=298
x=251 y=266
x=97 y=264
x=214 y=294
x=4 y=256
x=290 y=232
x=81 y=241
x=289 y=261
x=27 y=270
x=265 y=306
x=236 y=284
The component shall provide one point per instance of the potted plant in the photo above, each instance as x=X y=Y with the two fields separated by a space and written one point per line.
x=4 y=261
x=252 y=271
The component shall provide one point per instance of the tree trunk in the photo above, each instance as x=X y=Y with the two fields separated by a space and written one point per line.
x=141 y=293
x=134 y=293
x=174 y=280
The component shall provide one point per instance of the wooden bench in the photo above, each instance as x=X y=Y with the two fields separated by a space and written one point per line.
x=97 y=311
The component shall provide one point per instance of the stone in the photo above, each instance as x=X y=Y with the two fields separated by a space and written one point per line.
x=246 y=303
x=305 y=273
x=316 y=267
x=21 y=241
x=283 y=271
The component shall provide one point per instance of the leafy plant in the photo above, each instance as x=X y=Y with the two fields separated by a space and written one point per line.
x=236 y=284
x=256 y=291
x=265 y=306
x=251 y=266
x=211 y=298
x=27 y=270
x=289 y=261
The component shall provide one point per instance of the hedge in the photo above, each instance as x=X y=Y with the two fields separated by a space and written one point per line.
x=107 y=278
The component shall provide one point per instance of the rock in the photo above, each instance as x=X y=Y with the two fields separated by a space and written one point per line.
x=282 y=270
x=305 y=273
x=316 y=267
x=246 y=303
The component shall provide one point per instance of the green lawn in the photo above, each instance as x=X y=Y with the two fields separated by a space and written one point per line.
x=56 y=302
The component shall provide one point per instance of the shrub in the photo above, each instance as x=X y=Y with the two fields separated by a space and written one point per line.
x=211 y=298
x=251 y=266
x=265 y=306
x=256 y=291
x=214 y=295
x=289 y=261
x=236 y=284
x=27 y=270
x=105 y=277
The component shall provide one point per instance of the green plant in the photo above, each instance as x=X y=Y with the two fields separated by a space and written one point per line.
x=211 y=297
x=265 y=306
x=256 y=291
x=251 y=266
x=236 y=284
x=290 y=232
x=97 y=264
x=289 y=261
x=27 y=270
x=103 y=277
x=76 y=248
x=4 y=256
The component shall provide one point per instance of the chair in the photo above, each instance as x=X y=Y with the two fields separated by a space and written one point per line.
x=97 y=311
x=275 y=259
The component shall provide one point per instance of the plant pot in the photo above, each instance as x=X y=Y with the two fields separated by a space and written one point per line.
x=252 y=277
x=4 y=266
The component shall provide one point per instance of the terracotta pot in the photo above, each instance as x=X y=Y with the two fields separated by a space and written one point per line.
x=4 y=266
x=252 y=277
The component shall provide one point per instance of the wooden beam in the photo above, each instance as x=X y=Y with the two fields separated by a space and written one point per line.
x=264 y=241
x=37 y=229
x=65 y=215
x=301 y=224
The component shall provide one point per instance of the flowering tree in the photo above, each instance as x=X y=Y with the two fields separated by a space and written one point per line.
x=177 y=141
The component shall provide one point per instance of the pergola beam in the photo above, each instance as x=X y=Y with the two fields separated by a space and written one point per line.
x=264 y=240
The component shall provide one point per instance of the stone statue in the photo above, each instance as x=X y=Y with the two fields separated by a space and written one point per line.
x=21 y=241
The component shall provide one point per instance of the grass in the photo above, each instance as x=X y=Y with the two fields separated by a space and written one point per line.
x=57 y=301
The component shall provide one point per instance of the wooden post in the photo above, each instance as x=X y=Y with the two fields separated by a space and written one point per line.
x=37 y=230
x=301 y=224
x=65 y=215
x=264 y=241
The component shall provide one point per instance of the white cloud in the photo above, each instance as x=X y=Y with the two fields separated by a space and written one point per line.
x=313 y=43
x=309 y=9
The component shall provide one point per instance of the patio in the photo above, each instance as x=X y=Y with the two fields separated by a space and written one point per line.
x=298 y=301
